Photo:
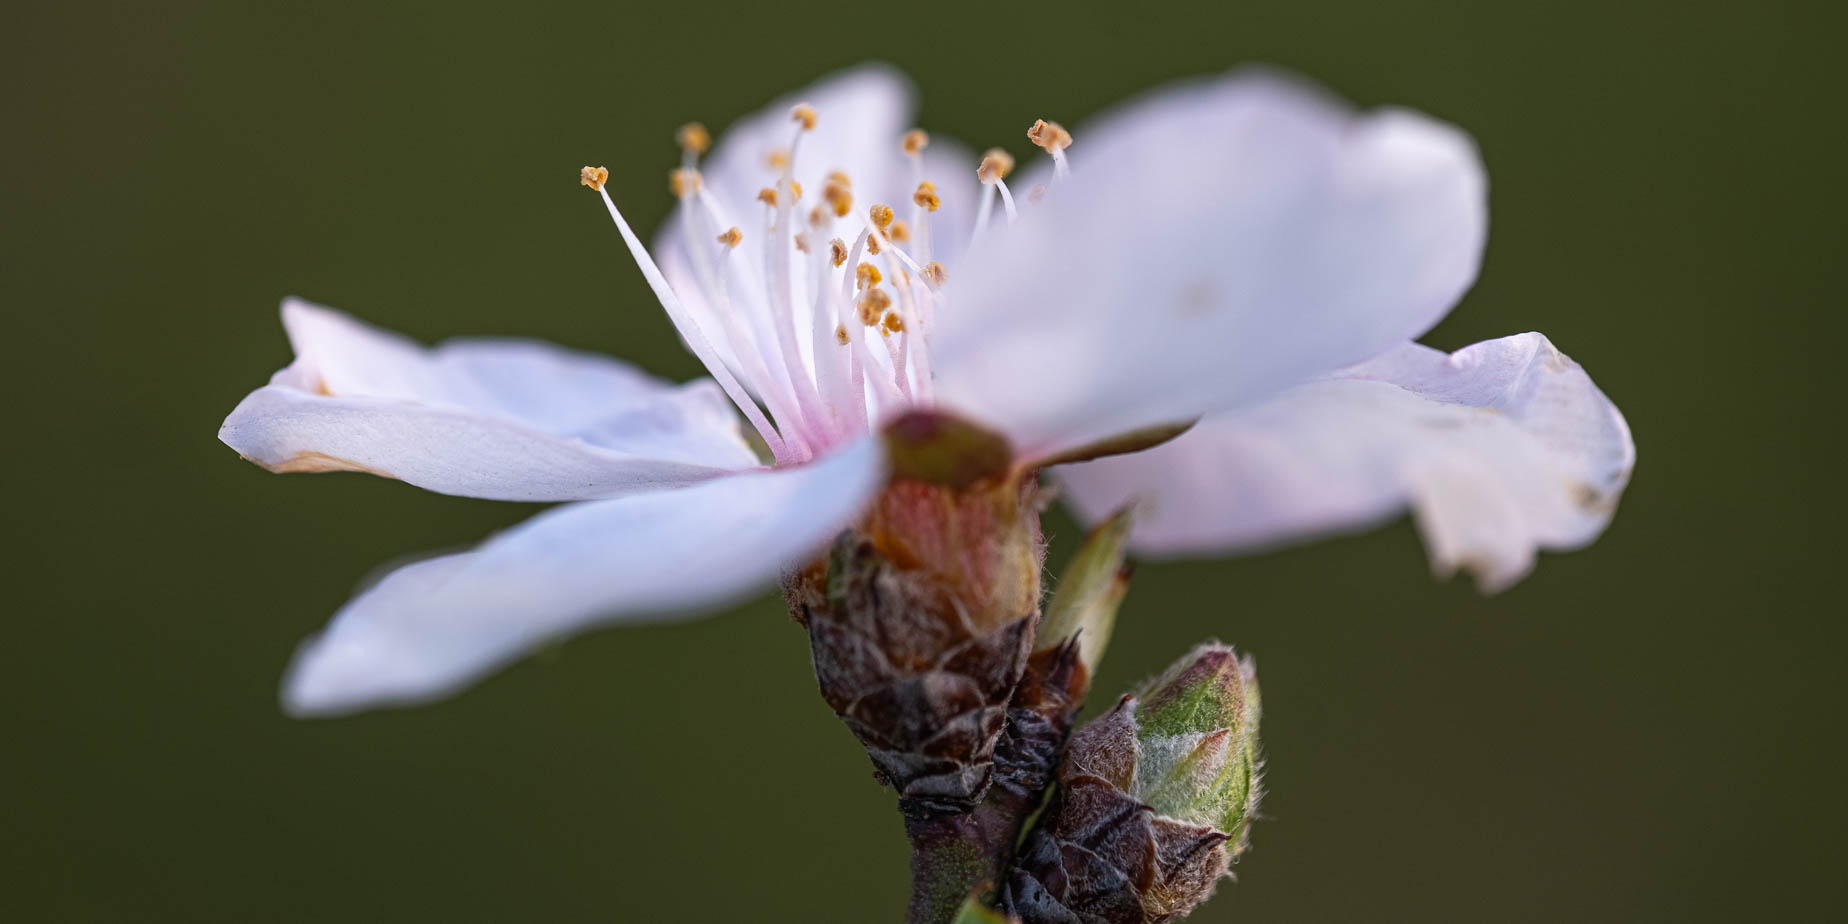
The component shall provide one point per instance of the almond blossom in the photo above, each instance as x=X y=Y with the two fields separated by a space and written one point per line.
x=1243 y=254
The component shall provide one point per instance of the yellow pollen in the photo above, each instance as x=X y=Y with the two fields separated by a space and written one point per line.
x=872 y=244
x=683 y=182
x=865 y=275
x=818 y=216
x=899 y=232
x=731 y=238
x=767 y=196
x=693 y=138
x=777 y=158
x=805 y=114
x=796 y=188
x=936 y=273
x=840 y=334
x=881 y=216
x=839 y=177
x=927 y=197
x=836 y=195
x=894 y=323
x=996 y=165
x=802 y=242
x=872 y=305
x=1049 y=135
x=837 y=251
x=593 y=177
x=915 y=141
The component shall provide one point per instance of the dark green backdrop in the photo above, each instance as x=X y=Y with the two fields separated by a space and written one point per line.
x=1647 y=730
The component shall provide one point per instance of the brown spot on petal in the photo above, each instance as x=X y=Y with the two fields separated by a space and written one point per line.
x=319 y=462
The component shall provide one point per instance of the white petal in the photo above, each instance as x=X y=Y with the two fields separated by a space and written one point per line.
x=507 y=420
x=429 y=628
x=1498 y=449
x=1216 y=242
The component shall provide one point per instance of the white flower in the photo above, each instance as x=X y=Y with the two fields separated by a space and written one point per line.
x=1243 y=251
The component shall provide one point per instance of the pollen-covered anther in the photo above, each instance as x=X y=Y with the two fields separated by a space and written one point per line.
x=594 y=177
x=795 y=189
x=804 y=114
x=893 y=322
x=865 y=275
x=838 y=194
x=1049 y=135
x=777 y=158
x=684 y=182
x=802 y=242
x=996 y=165
x=872 y=306
x=818 y=217
x=872 y=244
x=881 y=216
x=927 y=197
x=936 y=273
x=915 y=141
x=899 y=232
x=840 y=334
x=837 y=251
x=767 y=196
x=731 y=237
x=693 y=138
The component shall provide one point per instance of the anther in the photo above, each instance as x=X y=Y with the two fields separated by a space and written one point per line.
x=684 y=182
x=805 y=114
x=872 y=305
x=872 y=244
x=881 y=216
x=916 y=140
x=777 y=158
x=996 y=165
x=818 y=217
x=1049 y=135
x=899 y=232
x=802 y=242
x=840 y=334
x=839 y=178
x=837 y=251
x=927 y=197
x=893 y=322
x=836 y=194
x=594 y=177
x=865 y=275
x=693 y=138
x=731 y=238
x=796 y=189
x=767 y=196
x=936 y=273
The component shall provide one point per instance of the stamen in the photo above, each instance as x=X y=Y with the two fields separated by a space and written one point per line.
x=873 y=305
x=693 y=139
x=595 y=178
x=899 y=232
x=795 y=190
x=802 y=241
x=837 y=251
x=777 y=158
x=996 y=165
x=840 y=334
x=805 y=114
x=915 y=141
x=872 y=244
x=1055 y=139
x=731 y=237
x=838 y=194
x=936 y=273
x=818 y=217
x=865 y=275
x=881 y=216
x=893 y=322
x=767 y=196
x=684 y=182
x=927 y=197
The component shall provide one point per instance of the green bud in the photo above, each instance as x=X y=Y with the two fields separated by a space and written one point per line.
x=1155 y=800
x=1197 y=731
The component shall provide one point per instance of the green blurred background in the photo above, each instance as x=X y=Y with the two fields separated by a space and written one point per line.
x=1647 y=730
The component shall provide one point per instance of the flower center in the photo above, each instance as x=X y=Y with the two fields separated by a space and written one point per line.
x=817 y=324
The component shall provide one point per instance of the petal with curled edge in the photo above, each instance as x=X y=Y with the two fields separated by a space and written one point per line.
x=431 y=627
x=1215 y=243
x=1498 y=449
x=499 y=419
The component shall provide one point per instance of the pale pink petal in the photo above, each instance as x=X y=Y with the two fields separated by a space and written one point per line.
x=1499 y=449
x=1216 y=242
x=430 y=628
x=501 y=419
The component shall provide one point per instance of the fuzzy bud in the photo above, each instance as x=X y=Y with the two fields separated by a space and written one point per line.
x=1155 y=800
